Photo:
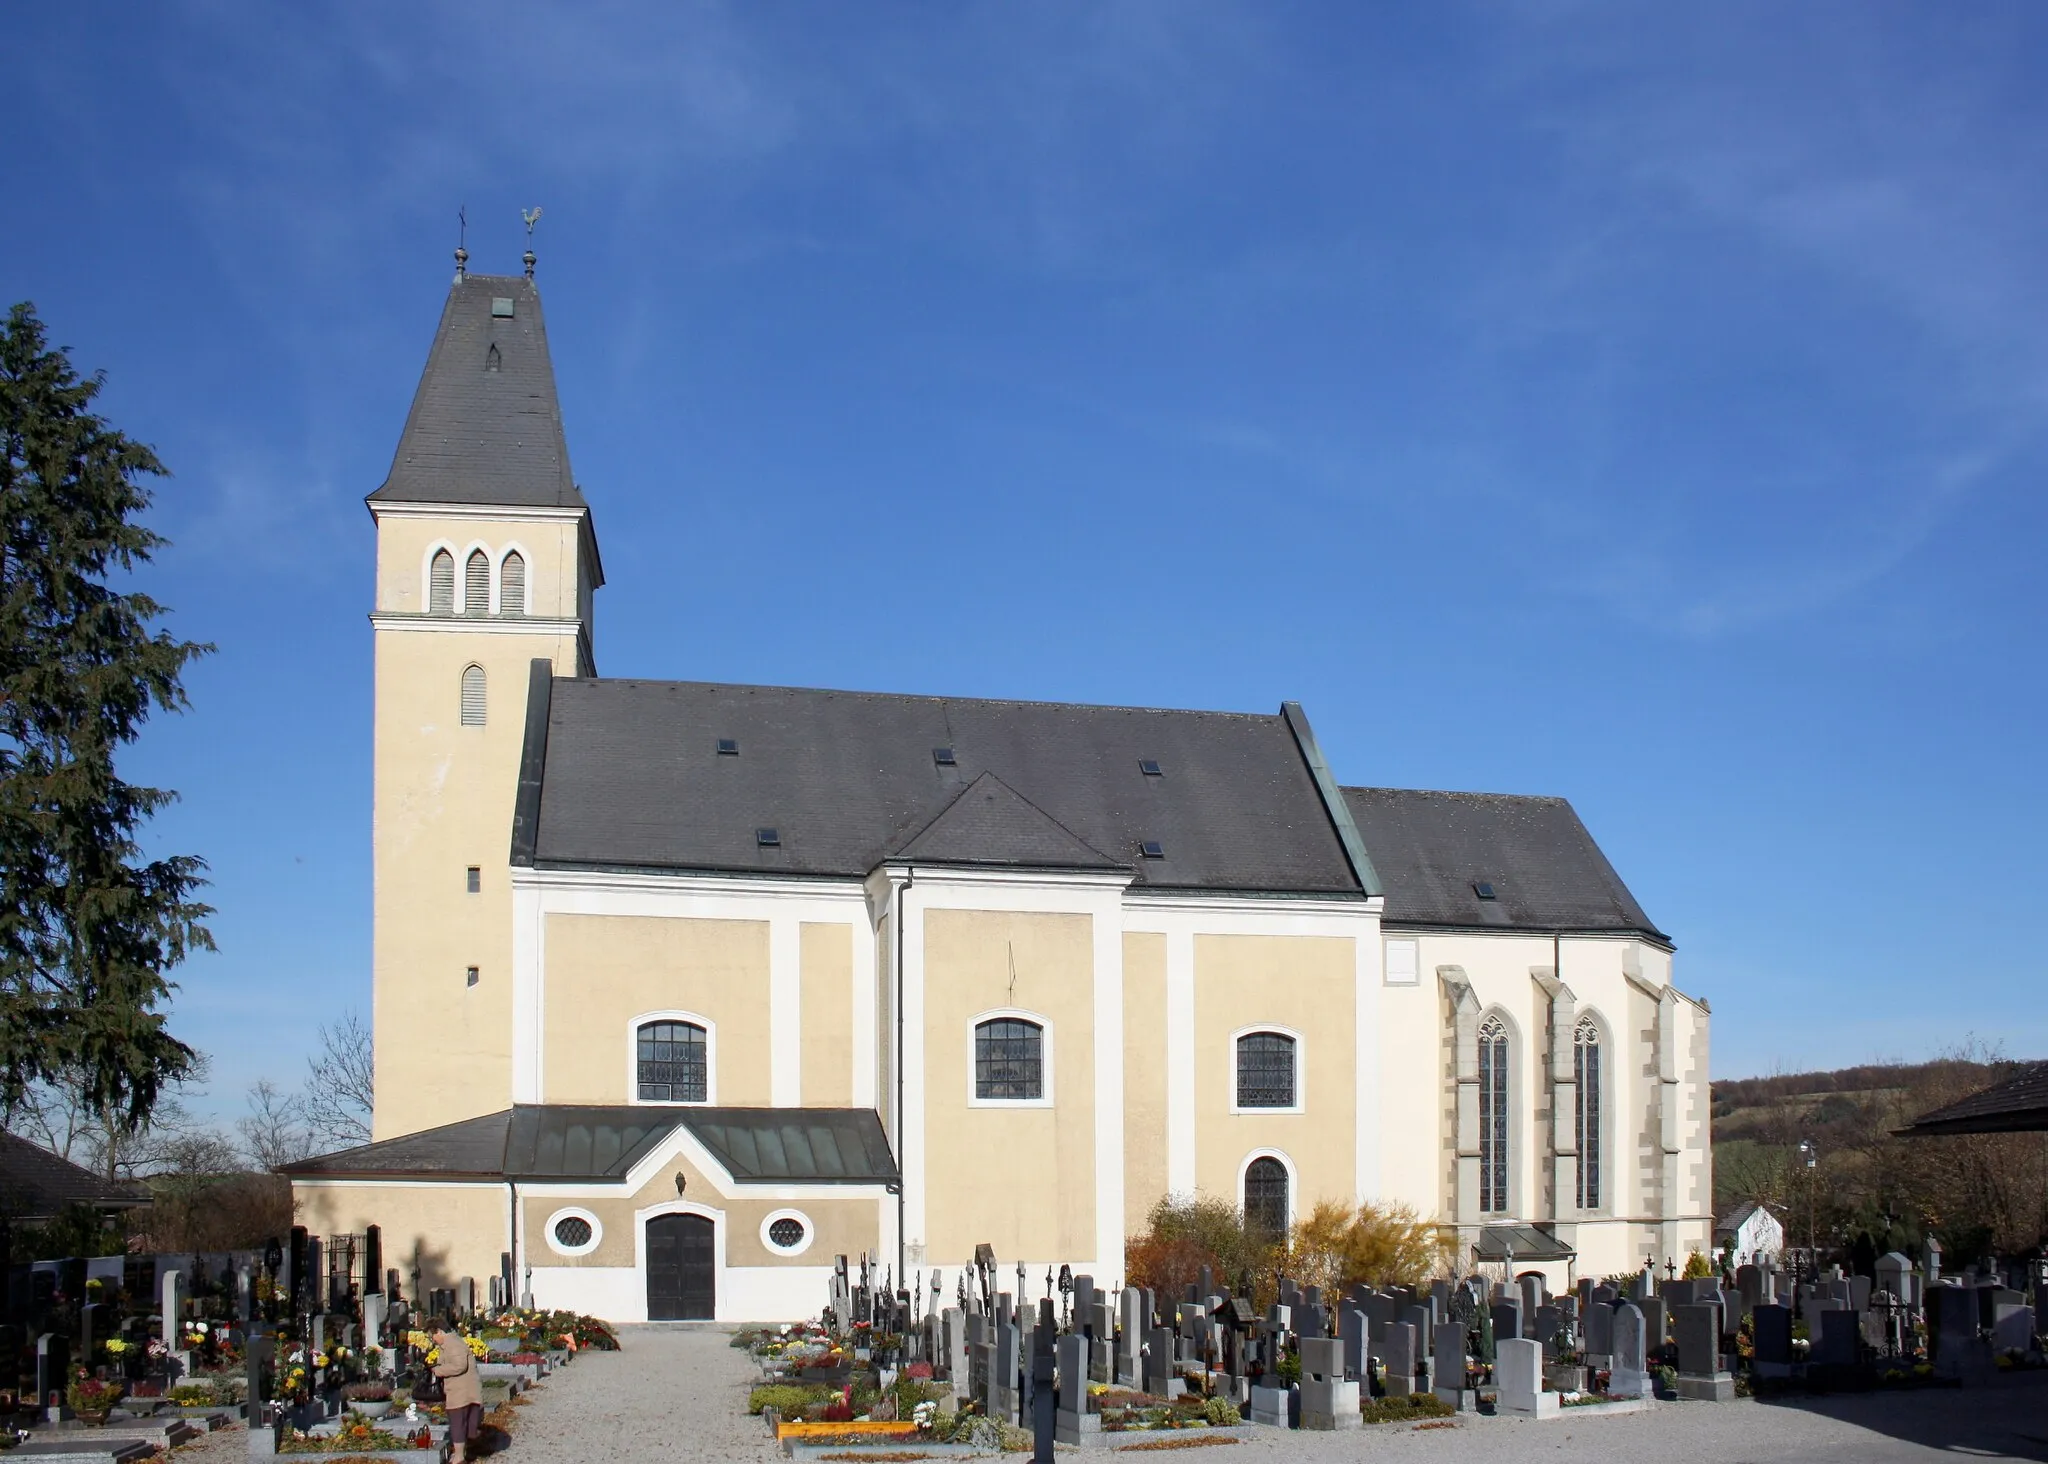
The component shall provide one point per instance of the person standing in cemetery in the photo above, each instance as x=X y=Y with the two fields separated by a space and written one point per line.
x=465 y=1390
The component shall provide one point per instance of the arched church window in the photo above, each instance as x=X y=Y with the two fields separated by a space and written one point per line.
x=512 y=584
x=441 y=583
x=1586 y=1126
x=476 y=584
x=1265 y=1196
x=1265 y=1070
x=673 y=1063
x=473 y=696
x=1493 y=1116
x=1009 y=1060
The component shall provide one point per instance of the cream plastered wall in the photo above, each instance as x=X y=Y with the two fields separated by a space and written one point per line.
x=450 y=1231
x=603 y=971
x=1144 y=1077
x=827 y=959
x=1308 y=985
x=443 y=796
x=1022 y=1179
x=839 y=1226
x=1415 y=1101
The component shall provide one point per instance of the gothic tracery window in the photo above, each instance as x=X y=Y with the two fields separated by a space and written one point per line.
x=1586 y=1074
x=1493 y=1116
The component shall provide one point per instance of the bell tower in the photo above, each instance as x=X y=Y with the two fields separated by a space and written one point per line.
x=486 y=562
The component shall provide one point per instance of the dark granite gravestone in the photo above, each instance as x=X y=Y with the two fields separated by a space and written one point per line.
x=1772 y=1328
x=1699 y=1354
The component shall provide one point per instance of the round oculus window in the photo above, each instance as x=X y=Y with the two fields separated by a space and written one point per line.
x=572 y=1231
x=787 y=1233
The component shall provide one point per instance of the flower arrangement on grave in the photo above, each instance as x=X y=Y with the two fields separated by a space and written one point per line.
x=355 y=1436
x=91 y=1398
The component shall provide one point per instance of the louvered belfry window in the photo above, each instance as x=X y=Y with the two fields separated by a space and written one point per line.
x=1009 y=1059
x=1265 y=1070
x=672 y=1063
x=473 y=696
x=512 y=585
x=1493 y=1116
x=476 y=584
x=441 y=584
x=1586 y=1072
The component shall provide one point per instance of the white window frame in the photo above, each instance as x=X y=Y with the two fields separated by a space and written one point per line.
x=1512 y=1160
x=1244 y=1167
x=440 y=546
x=810 y=1233
x=498 y=579
x=476 y=546
x=1045 y=1056
x=695 y=1019
x=573 y=1212
x=462 y=693
x=1300 y=1104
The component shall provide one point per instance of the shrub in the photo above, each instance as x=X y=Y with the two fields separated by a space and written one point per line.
x=1404 y=1410
x=194 y=1395
x=1220 y=1412
x=90 y=1395
x=787 y=1399
x=1184 y=1234
x=1696 y=1268
x=1338 y=1245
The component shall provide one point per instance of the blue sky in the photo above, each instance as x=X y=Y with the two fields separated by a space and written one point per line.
x=1637 y=404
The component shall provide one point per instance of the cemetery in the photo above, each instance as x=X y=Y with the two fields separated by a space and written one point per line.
x=996 y=1358
x=312 y=1345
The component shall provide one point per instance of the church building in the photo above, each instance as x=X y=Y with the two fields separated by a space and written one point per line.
x=683 y=989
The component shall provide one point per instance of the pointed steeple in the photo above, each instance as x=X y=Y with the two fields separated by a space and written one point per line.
x=486 y=425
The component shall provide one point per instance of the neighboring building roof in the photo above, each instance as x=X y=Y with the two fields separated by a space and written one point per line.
x=629 y=775
x=1432 y=850
x=603 y=1143
x=38 y=1185
x=2017 y=1105
x=486 y=423
x=1736 y=1218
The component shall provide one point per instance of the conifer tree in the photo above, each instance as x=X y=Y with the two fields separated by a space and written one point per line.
x=88 y=925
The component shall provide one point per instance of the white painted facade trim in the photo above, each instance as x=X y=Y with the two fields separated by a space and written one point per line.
x=474 y=512
x=475 y=624
x=1300 y=1103
x=785 y=1011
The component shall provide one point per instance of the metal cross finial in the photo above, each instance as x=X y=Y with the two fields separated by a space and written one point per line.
x=532 y=217
x=461 y=242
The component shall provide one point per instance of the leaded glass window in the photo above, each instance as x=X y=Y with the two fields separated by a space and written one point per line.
x=1265 y=1070
x=1586 y=1074
x=1265 y=1196
x=1493 y=1116
x=673 y=1065
x=1009 y=1059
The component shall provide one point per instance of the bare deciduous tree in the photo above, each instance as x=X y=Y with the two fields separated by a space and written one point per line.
x=341 y=1084
x=272 y=1129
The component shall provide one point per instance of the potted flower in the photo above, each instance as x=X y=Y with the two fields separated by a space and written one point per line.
x=371 y=1400
x=91 y=1399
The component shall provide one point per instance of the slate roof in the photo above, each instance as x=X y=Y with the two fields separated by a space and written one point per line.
x=629 y=776
x=600 y=1142
x=485 y=431
x=38 y=1185
x=2017 y=1105
x=1431 y=849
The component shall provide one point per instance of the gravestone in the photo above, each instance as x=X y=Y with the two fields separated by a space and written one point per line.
x=958 y=1370
x=1534 y=1294
x=53 y=1375
x=1772 y=1328
x=1507 y=1321
x=2012 y=1328
x=1329 y=1400
x=1003 y=1374
x=1596 y=1332
x=1836 y=1344
x=1656 y=1322
x=1518 y=1372
x=1629 y=1375
x=1448 y=1349
x=1699 y=1354
x=1859 y=1293
x=1073 y=1422
x=1424 y=1323
x=1130 y=1338
x=1352 y=1326
x=1269 y=1406
x=1549 y=1322
x=1892 y=1270
x=1397 y=1351
x=1161 y=1381
x=1749 y=1285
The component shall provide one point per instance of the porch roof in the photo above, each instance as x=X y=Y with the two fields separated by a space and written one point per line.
x=603 y=1143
